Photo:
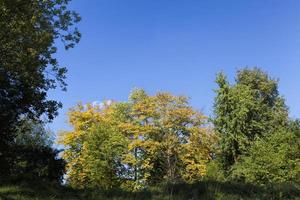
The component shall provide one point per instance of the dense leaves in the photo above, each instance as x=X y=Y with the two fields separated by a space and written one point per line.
x=251 y=108
x=32 y=156
x=161 y=139
x=143 y=142
x=258 y=142
x=94 y=147
x=147 y=140
x=28 y=68
x=275 y=159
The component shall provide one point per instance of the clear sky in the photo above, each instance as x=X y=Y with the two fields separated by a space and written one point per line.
x=178 y=46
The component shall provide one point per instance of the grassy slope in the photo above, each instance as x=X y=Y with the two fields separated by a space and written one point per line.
x=203 y=190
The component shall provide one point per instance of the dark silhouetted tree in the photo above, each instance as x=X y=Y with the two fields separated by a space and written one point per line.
x=28 y=68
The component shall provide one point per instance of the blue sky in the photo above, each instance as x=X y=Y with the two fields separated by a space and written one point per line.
x=178 y=46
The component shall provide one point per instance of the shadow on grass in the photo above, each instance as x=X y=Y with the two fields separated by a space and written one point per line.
x=231 y=190
x=201 y=190
x=36 y=191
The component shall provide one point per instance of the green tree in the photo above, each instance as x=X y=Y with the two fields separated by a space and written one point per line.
x=102 y=156
x=28 y=68
x=274 y=159
x=250 y=108
x=33 y=158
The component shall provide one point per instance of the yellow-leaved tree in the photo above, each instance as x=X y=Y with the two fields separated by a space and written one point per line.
x=145 y=141
x=95 y=146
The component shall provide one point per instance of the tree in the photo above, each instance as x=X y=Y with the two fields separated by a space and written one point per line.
x=274 y=159
x=250 y=108
x=145 y=141
x=28 y=68
x=95 y=147
x=197 y=154
x=168 y=138
x=33 y=158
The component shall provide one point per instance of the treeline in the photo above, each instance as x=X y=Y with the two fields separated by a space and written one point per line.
x=148 y=140
x=152 y=140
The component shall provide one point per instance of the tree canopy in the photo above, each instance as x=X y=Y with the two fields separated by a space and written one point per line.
x=147 y=140
x=28 y=67
x=251 y=108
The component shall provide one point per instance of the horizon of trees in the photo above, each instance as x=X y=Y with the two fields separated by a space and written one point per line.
x=145 y=141
x=157 y=139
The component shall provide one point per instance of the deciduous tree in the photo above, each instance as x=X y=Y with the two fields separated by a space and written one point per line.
x=28 y=67
x=147 y=140
x=250 y=108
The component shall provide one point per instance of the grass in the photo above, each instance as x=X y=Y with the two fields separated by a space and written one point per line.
x=202 y=190
x=36 y=192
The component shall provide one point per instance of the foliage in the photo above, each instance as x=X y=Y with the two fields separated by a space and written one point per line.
x=274 y=159
x=258 y=143
x=28 y=68
x=161 y=139
x=147 y=140
x=155 y=147
x=32 y=156
x=214 y=171
x=94 y=148
x=32 y=133
x=250 y=108
x=168 y=139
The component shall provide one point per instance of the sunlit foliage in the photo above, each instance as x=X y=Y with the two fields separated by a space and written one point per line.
x=249 y=109
x=145 y=141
